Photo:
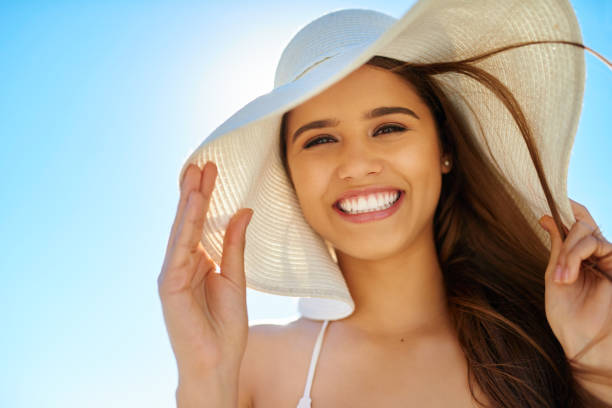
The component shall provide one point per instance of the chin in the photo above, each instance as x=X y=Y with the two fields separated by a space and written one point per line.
x=367 y=250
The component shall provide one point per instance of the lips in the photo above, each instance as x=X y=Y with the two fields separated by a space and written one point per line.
x=365 y=192
x=382 y=201
x=366 y=217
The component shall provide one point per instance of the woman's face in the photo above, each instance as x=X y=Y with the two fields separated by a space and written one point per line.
x=357 y=151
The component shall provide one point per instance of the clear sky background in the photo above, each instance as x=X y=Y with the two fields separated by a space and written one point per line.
x=100 y=102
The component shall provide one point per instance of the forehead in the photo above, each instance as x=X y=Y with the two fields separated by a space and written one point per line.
x=366 y=87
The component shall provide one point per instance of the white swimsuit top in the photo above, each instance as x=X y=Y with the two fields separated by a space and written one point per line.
x=305 y=400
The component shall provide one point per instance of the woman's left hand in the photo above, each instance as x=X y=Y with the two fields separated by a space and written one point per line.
x=579 y=307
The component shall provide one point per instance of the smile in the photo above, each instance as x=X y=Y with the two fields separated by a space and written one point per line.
x=370 y=208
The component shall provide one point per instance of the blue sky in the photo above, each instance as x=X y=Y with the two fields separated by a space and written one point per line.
x=100 y=104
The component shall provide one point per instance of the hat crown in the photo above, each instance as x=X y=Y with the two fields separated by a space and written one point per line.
x=283 y=254
x=325 y=37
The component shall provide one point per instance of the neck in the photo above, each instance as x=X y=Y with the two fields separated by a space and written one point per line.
x=402 y=294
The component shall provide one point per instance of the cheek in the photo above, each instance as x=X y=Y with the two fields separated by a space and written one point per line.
x=416 y=161
x=420 y=166
x=310 y=178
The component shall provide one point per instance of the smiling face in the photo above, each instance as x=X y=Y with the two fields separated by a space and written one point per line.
x=347 y=174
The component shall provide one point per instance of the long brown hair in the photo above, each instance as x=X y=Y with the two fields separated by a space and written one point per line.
x=493 y=262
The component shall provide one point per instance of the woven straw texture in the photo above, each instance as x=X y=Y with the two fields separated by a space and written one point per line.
x=283 y=255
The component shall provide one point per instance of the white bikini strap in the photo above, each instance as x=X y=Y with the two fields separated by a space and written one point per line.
x=305 y=400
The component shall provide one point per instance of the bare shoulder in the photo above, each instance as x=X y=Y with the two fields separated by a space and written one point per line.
x=276 y=351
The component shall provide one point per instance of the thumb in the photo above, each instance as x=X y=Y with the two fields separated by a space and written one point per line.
x=232 y=259
x=548 y=223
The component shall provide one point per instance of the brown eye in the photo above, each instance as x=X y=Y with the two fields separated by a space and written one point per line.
x=317 y=140
x=324 y=139
x=390 y=129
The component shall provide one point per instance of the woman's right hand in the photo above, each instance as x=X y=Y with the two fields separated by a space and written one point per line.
x=205 y=312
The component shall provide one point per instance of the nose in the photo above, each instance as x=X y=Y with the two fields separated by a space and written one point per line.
x=357 y=161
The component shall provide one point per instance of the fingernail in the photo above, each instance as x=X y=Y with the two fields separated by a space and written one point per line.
x=558 y=274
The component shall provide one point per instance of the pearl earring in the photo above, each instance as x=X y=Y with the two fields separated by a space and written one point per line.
x=446 y=163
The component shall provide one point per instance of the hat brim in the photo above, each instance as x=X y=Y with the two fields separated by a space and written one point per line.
x=283 y=255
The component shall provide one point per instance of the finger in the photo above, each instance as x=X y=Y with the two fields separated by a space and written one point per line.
x=578 y=231
x=186 y=250
x=587 y=246
x=189 y=232
x=581 y=213
x=207 y=184
x=191 y=182
x=232 y=260
x=548 y=223
x=195 y=180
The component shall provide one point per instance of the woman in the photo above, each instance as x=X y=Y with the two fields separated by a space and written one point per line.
x=457 y=301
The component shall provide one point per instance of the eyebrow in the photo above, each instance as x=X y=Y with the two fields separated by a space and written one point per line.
x=374 y=113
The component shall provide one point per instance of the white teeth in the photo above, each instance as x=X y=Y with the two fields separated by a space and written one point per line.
x=371 y=202
x=362 y=204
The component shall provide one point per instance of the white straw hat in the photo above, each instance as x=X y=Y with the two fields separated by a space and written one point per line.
x=283 y=254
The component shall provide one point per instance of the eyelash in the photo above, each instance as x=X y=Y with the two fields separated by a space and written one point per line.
x=311 y=143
